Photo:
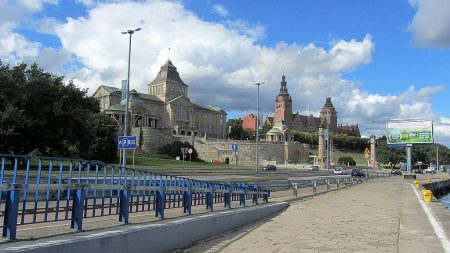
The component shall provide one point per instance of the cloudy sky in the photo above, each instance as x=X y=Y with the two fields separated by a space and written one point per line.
x=377 y=59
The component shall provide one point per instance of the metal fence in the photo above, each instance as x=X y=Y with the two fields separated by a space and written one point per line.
x=46 y=189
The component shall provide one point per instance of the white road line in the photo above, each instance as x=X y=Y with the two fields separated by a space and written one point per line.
x=437 y=227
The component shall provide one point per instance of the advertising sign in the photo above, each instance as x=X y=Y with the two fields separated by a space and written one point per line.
x=409 y=131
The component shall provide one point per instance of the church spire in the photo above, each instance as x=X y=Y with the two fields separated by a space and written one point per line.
x=283 y=86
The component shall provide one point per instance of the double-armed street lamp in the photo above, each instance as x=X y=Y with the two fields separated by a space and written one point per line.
x=125 y=131
x=257 y=127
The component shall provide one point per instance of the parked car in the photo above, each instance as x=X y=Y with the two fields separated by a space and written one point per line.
x=356 y=172
x=340 y=171
x=396 y=172
x=418 y=171
x=269 y=167
x=314 y=168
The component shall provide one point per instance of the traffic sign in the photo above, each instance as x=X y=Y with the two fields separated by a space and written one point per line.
x=367 y=151
x=190 y=151
x=234 y=147
x=126 y=142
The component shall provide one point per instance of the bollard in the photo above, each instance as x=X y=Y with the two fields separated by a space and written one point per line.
x=417 y=184
x=427 y=195
x=314 y=187
x=328 y=185
x=295 y=189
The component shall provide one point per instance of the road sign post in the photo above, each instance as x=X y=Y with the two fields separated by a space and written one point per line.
x=234 y=147
x=190 y=156
x=127 y=142
x=183 y=153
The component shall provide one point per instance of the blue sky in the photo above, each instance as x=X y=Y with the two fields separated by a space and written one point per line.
x=377 y=59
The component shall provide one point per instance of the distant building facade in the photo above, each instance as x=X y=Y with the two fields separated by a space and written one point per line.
x=249 y=122
x=302 y=123
x=166 y=107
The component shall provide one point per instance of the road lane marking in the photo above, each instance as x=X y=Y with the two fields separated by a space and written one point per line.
x=437 y=227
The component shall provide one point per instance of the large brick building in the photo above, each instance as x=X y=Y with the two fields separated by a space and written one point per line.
x=305 y=123
x=166 y=106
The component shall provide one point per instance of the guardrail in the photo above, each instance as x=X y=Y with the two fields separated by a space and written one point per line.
x=285 y=184
x=282 y=188
x=46 y=189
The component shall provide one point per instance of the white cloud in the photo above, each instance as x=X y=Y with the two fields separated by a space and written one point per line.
x=219 y=62
x=220 y=10
x=35 y=5
x=15 y=48
x=431 y=24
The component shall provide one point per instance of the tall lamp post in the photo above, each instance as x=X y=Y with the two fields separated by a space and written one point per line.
x=257 y=127
x=125 y=131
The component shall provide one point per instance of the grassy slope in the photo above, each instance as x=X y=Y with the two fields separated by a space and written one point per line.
x=357 y=156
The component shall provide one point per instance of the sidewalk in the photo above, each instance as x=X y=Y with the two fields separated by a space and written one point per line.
x=380 y=216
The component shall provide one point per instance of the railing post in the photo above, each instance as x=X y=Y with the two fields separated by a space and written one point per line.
x=160 y=203
x=337 y=183
x=255 y=195
x=227 y=196
x=266 y=196
x=124 y=210
x=295 y=189
x=328 y=185
x=314 y=187
x=11 y=213
x=209 y=198
x=242 y=195
x=187 y=200
x=77 y=209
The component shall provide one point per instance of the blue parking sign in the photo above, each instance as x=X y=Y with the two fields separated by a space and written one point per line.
x=126 y=142
x=234 y=147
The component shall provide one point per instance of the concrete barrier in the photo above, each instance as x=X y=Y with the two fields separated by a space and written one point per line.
x=161 y=236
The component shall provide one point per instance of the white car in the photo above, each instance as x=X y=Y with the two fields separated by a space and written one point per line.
x=340 y=171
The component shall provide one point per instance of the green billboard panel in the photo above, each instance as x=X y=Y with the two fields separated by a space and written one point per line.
x=409 y=131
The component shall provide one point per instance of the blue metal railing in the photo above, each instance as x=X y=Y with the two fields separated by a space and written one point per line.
x=46 y=189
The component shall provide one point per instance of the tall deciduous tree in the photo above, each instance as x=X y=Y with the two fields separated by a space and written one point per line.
x=39 y=112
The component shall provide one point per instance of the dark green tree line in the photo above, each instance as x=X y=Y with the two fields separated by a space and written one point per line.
x=39 y=112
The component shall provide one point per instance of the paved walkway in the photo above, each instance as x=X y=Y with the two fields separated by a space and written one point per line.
x=384 y=215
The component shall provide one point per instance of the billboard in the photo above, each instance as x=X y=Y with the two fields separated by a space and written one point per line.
x=409 y=131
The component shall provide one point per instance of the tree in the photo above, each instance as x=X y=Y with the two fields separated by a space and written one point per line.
x=346 y=160
x=174 y=149
x=389 y=156
x=39 y=112
x=235 y=129
x=306 y=137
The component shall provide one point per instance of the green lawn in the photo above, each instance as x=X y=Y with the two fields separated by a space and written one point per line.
x=357 y=156
x=143 y=160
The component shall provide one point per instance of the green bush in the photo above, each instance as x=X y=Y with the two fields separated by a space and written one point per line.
x=346 y=160
x=174 y=149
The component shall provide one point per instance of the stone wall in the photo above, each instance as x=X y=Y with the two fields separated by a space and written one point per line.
x=153 y=138
x=273 y=153
x=217 y=149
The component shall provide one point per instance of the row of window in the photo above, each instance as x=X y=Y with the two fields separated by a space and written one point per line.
x=173 y=89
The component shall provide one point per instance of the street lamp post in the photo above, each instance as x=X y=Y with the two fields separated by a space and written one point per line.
x=257 y=128
x=125 y=131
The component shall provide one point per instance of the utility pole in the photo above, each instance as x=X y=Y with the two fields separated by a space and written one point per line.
x=125 y=131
